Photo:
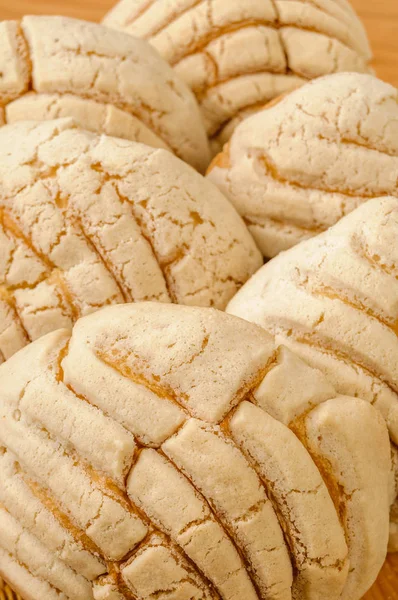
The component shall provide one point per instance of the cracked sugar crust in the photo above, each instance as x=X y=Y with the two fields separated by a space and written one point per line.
x=298 y=166
x=355 y=463
x=158 y=472
x=237 y=54
x=87 y=221
x=333 y=300
x=301 y=397
x=307 y=513
x=109 y=82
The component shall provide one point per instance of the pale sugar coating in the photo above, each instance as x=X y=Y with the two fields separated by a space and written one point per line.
x=355 y=462
x=306 y=509
x=333 y=301
x=110 y=83
x=87 y=221
x=24 y=583
x=168 y=479
x=214 y=464
x=298 y=166
x=42 y=563
x=240 y=55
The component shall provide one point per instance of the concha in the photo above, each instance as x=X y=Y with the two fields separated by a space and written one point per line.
x=238 y=55
x=89 y=220
x=297 y=167
x=109 y=82
x=171 y=452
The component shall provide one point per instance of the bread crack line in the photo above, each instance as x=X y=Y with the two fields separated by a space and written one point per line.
x=221 y=29
x=281 y=326
x=139 y=13
x=145 y=115
x=8 y=298
x=77 y=224
x=321 y=290
x=193 y=538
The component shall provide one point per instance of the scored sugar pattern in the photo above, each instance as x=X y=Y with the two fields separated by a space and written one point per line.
x=144 y=496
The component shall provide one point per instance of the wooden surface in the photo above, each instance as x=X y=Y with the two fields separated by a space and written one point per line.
x=381 y=20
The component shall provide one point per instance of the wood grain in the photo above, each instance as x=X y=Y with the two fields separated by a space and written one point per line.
x=381 y=20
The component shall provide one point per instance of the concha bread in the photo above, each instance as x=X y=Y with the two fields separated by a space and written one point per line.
x=140 y=458
x=109 y=82
x=87 y=221
x=333 y=300
x=237 y=56
x=294 y=169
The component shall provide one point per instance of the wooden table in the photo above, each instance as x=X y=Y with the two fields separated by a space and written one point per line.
x=381 y=20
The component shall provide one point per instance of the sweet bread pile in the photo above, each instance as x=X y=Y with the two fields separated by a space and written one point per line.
x=179 y=421
x=254 y=480
x=238 y=55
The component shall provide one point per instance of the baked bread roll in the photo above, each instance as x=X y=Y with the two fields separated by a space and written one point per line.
x=87 y=221
x=112 y=83
x=237 y=56
x=333 y=300
x=296 y=168
x=215 y=497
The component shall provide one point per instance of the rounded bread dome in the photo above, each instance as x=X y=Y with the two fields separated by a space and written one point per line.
x=88 y=220
x=296 y=168
x=253 y=481
x=333 y=301
x=237 y=56
x=109 y=82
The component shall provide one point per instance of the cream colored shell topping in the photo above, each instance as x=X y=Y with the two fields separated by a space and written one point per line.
x=238 y=55
x=141 y=457
x=87 y=221
x=296 y=168
x=333 y=299
x=55 y=67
